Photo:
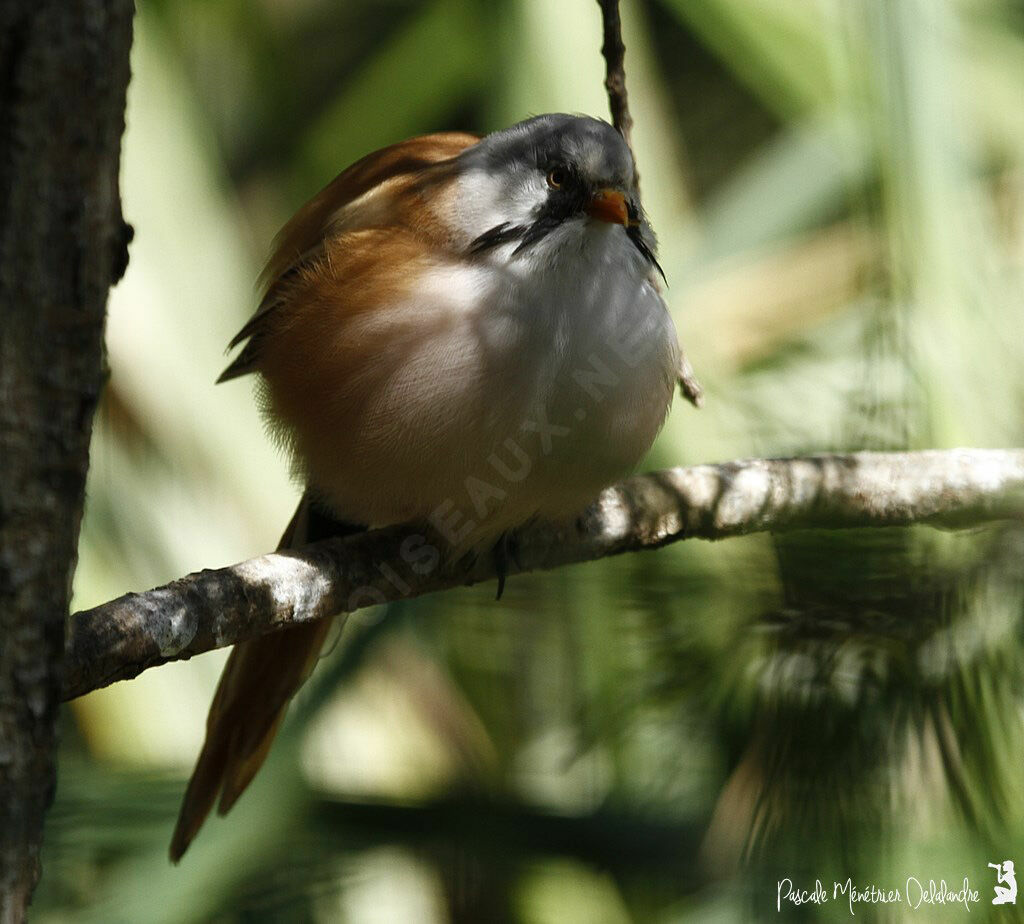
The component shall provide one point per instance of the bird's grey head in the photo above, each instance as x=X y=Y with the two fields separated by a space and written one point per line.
x=590 y=148
x=528 y=181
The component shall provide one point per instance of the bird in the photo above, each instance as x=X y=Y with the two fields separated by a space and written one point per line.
x=462 y=330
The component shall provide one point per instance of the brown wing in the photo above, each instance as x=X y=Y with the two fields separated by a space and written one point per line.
x=379 y=190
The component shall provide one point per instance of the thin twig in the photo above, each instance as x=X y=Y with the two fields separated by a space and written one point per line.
x=614 y=52
x=213 y=609
x=689 y=387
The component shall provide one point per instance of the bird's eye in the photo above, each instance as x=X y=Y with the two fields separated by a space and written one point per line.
x=557 y=177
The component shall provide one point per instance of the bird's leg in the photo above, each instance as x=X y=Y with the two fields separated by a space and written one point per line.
x=501 y=562
x=506 y=550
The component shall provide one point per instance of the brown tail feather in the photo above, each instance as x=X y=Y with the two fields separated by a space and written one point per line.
x=260 y=678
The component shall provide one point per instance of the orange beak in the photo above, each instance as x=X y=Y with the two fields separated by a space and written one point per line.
x=609 y=205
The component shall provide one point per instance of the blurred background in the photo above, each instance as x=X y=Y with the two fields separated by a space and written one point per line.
x=838 y=186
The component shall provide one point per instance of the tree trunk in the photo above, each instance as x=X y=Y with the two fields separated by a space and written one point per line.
x=63 y=75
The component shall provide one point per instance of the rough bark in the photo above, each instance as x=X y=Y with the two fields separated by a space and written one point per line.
x=213 y=609
x=63 y=75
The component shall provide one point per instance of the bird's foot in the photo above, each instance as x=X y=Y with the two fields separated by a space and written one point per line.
x=506 y=550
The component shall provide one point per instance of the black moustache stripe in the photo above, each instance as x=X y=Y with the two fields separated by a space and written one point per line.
x=527 y=236
x=496 y=236
x=539 y=230
x=633 y=232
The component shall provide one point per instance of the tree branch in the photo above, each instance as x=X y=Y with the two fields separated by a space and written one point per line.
x=212 y=609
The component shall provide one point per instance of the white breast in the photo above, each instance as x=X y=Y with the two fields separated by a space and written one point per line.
x=528 y=385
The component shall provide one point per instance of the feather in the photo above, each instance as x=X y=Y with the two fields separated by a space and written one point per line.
x=401 y=350
x=263 y=674
x=386 y=188
x=259 y=680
